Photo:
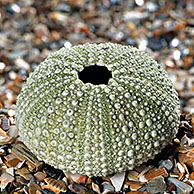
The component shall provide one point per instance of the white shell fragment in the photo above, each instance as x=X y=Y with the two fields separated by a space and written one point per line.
x=117 y=180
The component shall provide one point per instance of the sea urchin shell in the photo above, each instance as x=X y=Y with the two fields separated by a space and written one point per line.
x=97 y=129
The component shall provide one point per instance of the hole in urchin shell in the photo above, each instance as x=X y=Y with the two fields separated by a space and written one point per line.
x=95 y=75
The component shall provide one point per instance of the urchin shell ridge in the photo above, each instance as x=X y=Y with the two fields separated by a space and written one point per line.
x=97 y=129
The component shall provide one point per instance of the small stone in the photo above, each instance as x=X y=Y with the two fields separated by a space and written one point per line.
x=156 y=44
x=167 y=164
x=40 y=176
x=176 y=55
x=156 y=185
x=180 y=186
x=21 y=63
x=58 y=16
x=134 y=15
x=175 y=42
x=16 y=54
x=5 y=124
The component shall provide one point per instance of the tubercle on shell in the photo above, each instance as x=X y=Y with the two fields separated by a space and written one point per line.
x=97 y=129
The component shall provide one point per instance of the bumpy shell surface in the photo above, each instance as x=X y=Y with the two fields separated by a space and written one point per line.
x=97 y=129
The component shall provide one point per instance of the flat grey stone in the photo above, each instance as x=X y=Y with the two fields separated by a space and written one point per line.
x=156 y=185
x=167 y=164
x=181 y=186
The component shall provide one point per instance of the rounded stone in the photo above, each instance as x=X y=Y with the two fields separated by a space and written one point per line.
x=87 y=125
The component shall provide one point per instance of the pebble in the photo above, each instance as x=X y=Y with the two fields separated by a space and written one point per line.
x=5 y=124
x=180 y=186
x=167 y=164
x=156 y=44
x=156 y=185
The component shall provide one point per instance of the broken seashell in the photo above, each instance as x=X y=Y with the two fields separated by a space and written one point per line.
x=155 y=173
x=117 y=180
x=59 y=185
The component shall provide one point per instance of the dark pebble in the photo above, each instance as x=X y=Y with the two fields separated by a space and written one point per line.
x=5 y=124
x=46 y=191
x=54 y=173
x=156 y=44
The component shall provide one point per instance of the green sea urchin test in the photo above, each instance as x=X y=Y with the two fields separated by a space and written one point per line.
x=96 y=128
